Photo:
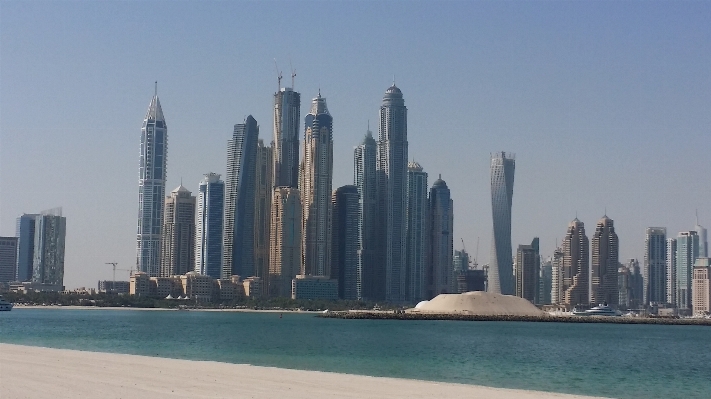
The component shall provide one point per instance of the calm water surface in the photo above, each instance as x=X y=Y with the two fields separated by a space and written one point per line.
x=621 y=361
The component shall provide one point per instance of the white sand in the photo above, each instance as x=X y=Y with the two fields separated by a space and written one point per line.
x=479 y=303
x=31 y=372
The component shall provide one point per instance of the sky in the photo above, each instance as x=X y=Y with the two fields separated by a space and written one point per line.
x=606 y=106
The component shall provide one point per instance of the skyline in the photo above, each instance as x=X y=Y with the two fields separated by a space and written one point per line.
x=611 y=113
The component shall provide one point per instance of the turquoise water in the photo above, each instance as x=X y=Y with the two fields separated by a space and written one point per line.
x=621 y=361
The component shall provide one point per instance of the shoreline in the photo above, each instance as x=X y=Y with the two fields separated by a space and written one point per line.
x=538 y=319
x=73 y=373
x=78 y=307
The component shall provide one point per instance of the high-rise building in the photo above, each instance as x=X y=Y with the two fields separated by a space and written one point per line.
x=703 y=239
x=557 y=277
x=671 y=272
x=701 y=286
x=25 y=232
x=545 y=282
x=655 y=265
x=460 y=261
x=501 y=279
x=178 y=254
x=373 y=274
x=262 y=209
x=605 y=263
x=418 y=273
x=576 y=265
x=440 y=241
x=285 y=241
x=630 y=286
x=528 y=266
x=316 y=192
x=8 y=258
x=48 y=262
x=391 y=178
x=209 y=227
x=687 y=250
x=287 y=105
x=238 y=238
x=344 y=255
x=151 y=188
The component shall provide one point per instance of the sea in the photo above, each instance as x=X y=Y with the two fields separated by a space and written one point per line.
x=610 y=360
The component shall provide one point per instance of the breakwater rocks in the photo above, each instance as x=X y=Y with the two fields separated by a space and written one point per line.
x=543 y=319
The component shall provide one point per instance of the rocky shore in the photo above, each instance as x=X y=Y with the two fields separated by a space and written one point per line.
x=544 y=319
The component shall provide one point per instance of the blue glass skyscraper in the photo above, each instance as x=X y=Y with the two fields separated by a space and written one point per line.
x=501 y=279
x=208 y=235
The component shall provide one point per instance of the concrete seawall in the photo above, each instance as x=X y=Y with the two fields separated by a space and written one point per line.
x=540 y=319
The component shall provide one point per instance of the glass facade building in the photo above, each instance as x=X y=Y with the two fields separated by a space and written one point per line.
x=208 y=237
x=501 y=279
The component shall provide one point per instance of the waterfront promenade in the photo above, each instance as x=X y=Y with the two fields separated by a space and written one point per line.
x=78 y=374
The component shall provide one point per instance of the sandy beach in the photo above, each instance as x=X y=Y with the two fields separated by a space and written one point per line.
x=32 y=372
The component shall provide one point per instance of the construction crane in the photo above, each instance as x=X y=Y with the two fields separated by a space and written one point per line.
x=278 y=75
x=113 y=264
x=471 y=264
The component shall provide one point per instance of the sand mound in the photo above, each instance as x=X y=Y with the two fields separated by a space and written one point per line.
x=479 y=303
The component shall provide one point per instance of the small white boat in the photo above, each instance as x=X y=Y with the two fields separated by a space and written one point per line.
x=5 y=306
x=600 y=310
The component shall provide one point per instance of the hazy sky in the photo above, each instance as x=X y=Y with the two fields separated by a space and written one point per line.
x=607 y=105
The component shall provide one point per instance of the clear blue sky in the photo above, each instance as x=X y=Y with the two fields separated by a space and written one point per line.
x=607 y=105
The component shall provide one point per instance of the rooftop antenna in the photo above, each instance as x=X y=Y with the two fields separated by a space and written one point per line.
x=293 y=74
x=156 y=89
x=697 y=216
x=393 y=79
x=278 y=75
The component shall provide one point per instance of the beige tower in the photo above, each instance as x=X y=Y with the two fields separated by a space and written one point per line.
x=285 y=240
x=605 y=263
x=178 y=243
x=262 y=209
x=316 y=192
x=576 y=267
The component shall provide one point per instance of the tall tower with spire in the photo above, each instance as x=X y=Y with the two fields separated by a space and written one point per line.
x=391 y=175
x=576 y=265
x=316 y=193
x=151 y=188
x=605 y=263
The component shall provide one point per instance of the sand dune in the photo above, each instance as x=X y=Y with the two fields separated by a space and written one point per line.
x=37 y=373
x=479 y=303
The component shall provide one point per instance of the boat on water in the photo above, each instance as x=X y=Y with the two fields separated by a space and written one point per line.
x=600 y=310
x=5 y=306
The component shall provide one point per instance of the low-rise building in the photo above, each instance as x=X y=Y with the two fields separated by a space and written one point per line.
x=115 y=287
x=197 y=286
x=252 y=287
x=314 y=287
x=140 y=284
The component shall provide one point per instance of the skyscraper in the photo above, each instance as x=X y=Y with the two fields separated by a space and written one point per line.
x=25 y=232
x=48 y=262
x=557 y=286
x=655 y=265
x=262 y=209
x=178 y=254
x=373 y=274
x=545 y=282
x=316 y=192
x=8 y=259
x=344 y=255
x=209 y=228
x=687 y=250
x=501 y=265
x=238 y=239
x=440 y=242
x=528 y=266
x=605 y=263
x=576 y=265
x=285 y=240
x=671 y=272
x=415 y=269
x=391 y=178
x=287 y=105
x=151 y=188
x=703 y=239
